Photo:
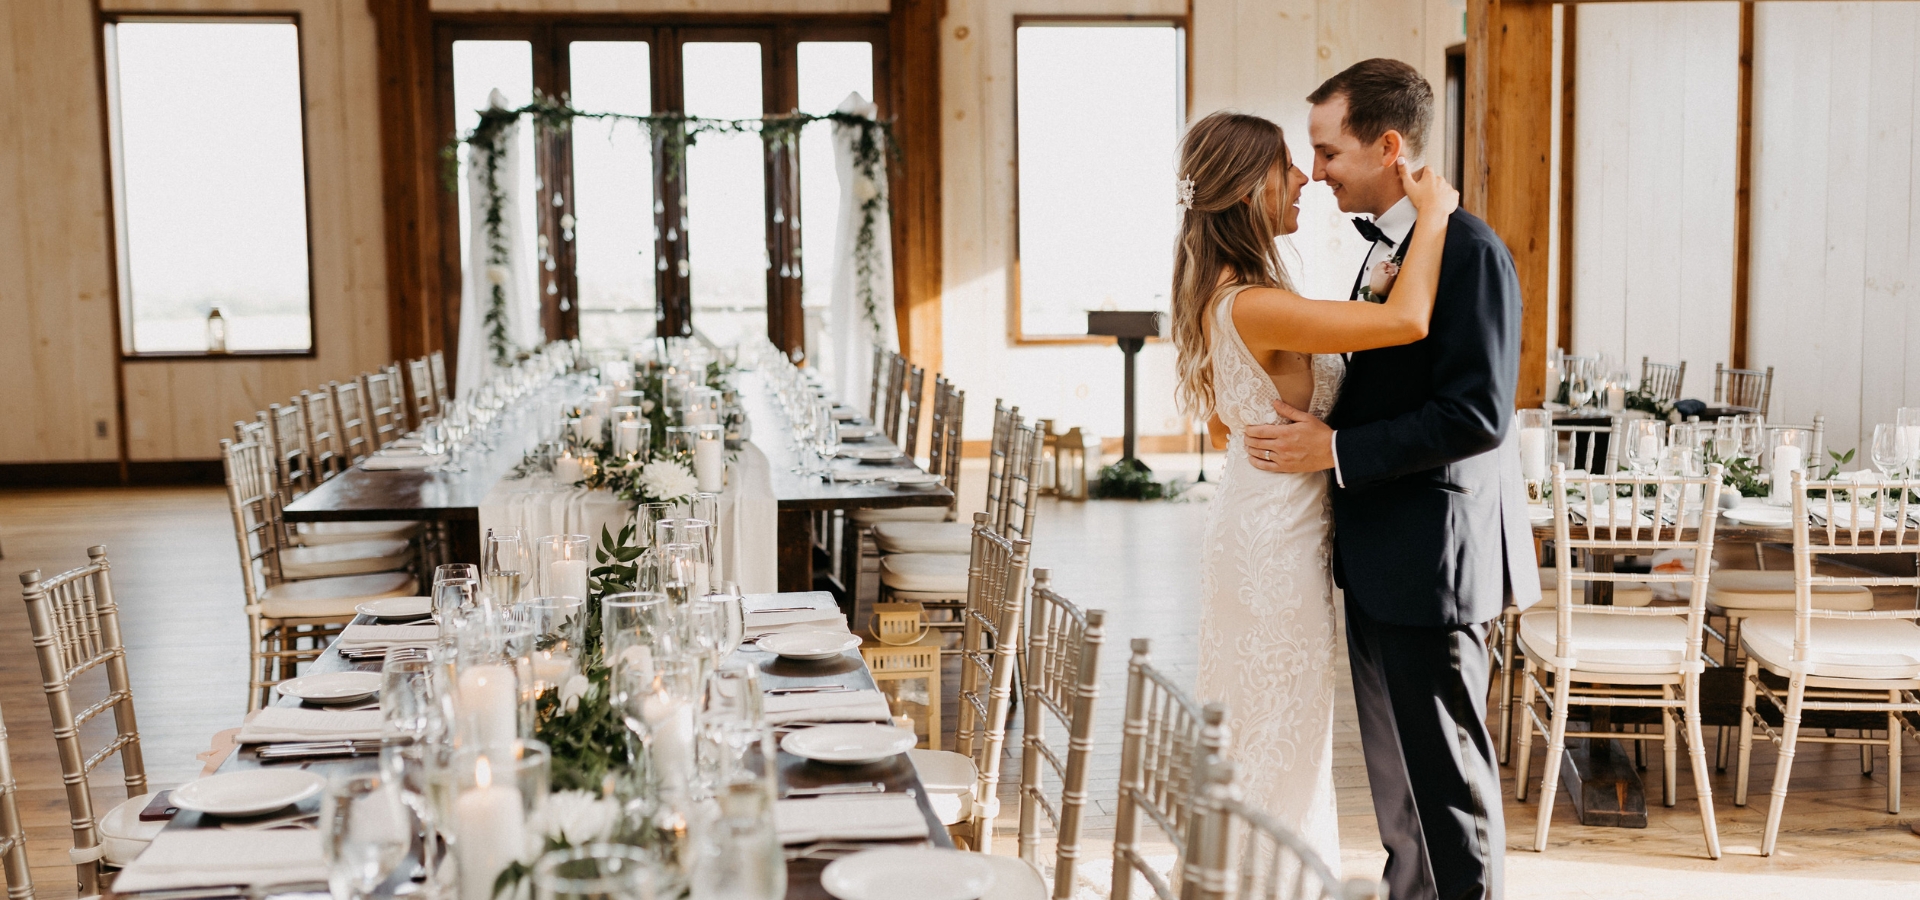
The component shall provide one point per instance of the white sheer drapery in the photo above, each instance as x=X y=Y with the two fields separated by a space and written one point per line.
x=523 y=311
x=853 y=334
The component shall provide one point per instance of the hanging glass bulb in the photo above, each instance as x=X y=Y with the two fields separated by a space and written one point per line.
x=672 y=235
x=786 y=272
x=661 y=264
x=659 y=208
x=779 y=215
x=683 y=268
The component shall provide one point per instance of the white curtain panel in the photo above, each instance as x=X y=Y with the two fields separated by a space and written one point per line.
x=853 y=335
x=523 y=309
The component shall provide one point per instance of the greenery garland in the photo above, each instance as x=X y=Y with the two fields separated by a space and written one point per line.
x=671 y=134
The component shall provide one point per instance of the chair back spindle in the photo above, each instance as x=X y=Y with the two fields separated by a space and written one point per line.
x=292 y=457
x=386 y=419
x=1060 y=686
x=324 y=447
x=422 y=402
x=437 y=369
x=896 y=392
x=350 y=422
x=76 y=628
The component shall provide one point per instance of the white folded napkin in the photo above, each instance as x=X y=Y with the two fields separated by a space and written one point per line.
x=788 y=600
x=862 y=818
x=210 y=857
x=412 y=461
x=373 y=637
x=827 y=706
x=281 y=724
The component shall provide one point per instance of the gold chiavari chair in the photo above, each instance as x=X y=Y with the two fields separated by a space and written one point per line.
x=963 y=785
x=282 y=615
x=76 y=628
x=1241 y=853
x=889 y=423
x=877 y=392
x=1060 y=683
x=1749 y=390
x=422 y=402
x=1835 y=660
x=292 y=457
x=386 y=413
x=1167 y=736
x=926 y=529
x=13 y=835
x=323 y=437
x=1662 y=380
x=350 y=422
x=1617 y=655
x=437 y=369
x=916 y=389
x=353 y=548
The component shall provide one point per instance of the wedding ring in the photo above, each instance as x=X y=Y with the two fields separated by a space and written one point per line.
x=1269 y=455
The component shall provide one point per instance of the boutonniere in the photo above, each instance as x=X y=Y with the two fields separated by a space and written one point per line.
x=1380 y=281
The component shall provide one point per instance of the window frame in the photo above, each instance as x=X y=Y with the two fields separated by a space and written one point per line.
x=116 y=179
x=1016 y=331
x=550 y=35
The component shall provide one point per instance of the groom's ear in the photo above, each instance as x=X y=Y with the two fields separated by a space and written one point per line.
x=1392 y=146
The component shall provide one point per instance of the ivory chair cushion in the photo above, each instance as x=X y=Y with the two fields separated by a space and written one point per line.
x=1014 y=879
x=355 y=558
x=315 y=533
x=950 y=779
x=1749 y=589
x=1872 y=649
x=903 y=514
x=123 y=835
x=941 y=573
x=924 y=537
x=1625 y=593
x=1603 y=644
x=333 y=598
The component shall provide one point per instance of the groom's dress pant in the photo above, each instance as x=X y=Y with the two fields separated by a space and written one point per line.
x=1421 y=694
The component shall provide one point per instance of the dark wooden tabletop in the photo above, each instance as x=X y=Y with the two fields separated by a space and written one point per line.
x=809 y=492
x=803 y=876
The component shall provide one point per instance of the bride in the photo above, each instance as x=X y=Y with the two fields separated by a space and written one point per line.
x=1246 y=338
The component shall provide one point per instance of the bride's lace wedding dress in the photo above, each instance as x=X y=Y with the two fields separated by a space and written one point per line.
x=1267 y=620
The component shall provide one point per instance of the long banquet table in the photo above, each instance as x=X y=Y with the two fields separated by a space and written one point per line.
x=803 y=875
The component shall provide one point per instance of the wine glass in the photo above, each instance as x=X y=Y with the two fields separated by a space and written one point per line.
x=826 y=434
x=1579 y=382
x=1890 y=450
x=365 y=833
x=1645 y=438
x=732 y=614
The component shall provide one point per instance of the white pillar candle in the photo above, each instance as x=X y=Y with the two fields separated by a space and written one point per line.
x=710 y=464
x=1616 y=398
x=489 y=829
x=626 y=438
x=1533 y=453
x=590 y=427
x=487 y=706
x=568 y=578
x=550 y=670
x=671 y=722
x=567 y=469
x=1786 y=460
x=603 y=404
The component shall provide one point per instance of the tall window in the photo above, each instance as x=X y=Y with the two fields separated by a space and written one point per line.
x=210 y=188
x=1100 y=107
x=629 y=243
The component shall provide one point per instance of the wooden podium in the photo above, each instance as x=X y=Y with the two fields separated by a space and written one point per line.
x=1131 y=329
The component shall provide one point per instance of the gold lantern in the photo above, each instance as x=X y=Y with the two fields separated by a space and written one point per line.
x=1070 y=465
x=904 y=657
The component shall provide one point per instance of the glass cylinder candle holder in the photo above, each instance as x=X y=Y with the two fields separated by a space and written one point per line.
x=494 y=792
x=560 y=565
x=710 y=457
x=1789 y=450
x=1536 y=451
x=680 y=442
x=596 y=872
x=632 y=437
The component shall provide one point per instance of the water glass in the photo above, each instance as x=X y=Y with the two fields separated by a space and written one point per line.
x=646 y=520
x=732 y=613
x=741 y=858
x=433 y=438
x=365 y=834
x=1645 y=438
x=682 y=571
x=595 y=872
x=410 y=697
x=635 y=627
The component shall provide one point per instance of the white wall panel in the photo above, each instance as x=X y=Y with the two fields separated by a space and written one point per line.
x=1654 y=183
x=1836 y=249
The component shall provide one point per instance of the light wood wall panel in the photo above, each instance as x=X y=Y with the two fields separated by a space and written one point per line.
x=179 y=409
x=662 y=6
x=1836 y=221
x=56 y=290
x=1654 y=183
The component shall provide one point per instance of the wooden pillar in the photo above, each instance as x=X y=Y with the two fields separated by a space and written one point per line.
x=1508 y=170
x=1569 y=40
x=914 y=176
x=421 y=311
x=1742 y=194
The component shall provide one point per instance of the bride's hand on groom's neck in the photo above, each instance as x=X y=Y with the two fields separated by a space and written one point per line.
x=1300 y=443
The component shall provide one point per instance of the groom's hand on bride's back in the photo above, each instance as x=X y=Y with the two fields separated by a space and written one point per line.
x=1301 y=443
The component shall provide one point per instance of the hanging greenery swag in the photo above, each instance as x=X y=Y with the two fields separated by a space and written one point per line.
x=670 y=134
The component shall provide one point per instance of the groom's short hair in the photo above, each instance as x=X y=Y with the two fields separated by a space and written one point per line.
x=1382 y=95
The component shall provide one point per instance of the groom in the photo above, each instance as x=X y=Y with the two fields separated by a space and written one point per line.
x=1430 y=535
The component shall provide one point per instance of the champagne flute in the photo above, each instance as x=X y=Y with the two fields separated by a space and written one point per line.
x=505 y=566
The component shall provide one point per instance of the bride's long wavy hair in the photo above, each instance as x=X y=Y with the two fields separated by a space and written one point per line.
x=1228 y=157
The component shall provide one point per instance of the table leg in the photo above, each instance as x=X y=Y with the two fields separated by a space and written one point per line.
x=794 y=535
x=1599 y=775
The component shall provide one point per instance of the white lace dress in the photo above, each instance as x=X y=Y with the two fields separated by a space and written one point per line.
x=1267 y=619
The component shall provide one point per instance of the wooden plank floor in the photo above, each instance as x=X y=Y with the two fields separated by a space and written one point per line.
x=177 y=579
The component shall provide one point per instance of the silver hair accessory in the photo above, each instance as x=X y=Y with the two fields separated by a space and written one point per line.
x=1183 y=193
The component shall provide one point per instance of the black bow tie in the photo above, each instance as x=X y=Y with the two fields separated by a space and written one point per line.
x=1372 y=232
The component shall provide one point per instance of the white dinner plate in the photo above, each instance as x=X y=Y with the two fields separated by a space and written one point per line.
x=876 y=454
x=332 y=687
x=843 y=414
x=809 y=644
x=248 y=793
x=1539 y=513
x=396 y=608
x=924 y=873
x=914 y=480
x=1764 y=516
x=849 y=744
x=856 y=432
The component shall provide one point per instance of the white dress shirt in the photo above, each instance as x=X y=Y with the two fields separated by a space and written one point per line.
x=1396 y=223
